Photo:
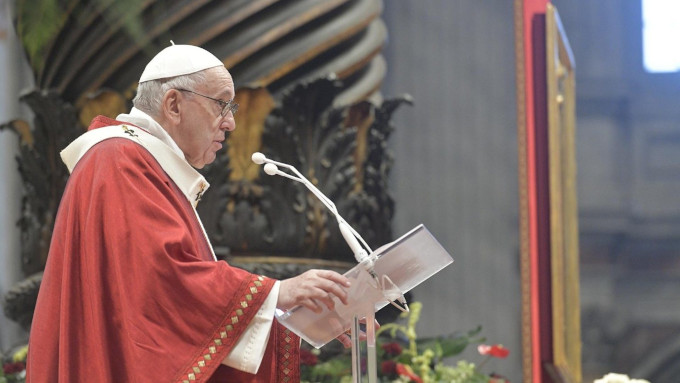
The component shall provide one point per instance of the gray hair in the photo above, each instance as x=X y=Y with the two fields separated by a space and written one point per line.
x=150 y=93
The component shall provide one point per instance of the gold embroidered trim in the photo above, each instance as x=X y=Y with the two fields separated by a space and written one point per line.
x=287 y=367
x=224 y=334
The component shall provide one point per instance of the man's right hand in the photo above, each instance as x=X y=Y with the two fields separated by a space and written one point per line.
x=311 y=289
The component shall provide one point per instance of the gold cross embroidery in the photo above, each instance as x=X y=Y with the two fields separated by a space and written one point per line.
x=200 y=193
x=129 y=131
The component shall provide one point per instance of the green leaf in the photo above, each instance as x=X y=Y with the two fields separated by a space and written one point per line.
x=334 y=368
x=452 y=344
x=38 y=22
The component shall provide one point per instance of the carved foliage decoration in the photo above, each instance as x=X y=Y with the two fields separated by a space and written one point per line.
x=307 y=132
x=342 y=150
x=42 y=172
x=371 y=208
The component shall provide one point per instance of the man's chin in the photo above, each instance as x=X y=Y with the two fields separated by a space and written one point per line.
x=198 y=164
x=208 y=161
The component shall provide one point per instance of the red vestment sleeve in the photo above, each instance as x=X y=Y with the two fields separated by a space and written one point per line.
x=130 y=292
x=281 y=362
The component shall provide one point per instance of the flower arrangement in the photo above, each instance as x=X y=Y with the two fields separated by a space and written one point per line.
x=402 y=357
x=14 y=368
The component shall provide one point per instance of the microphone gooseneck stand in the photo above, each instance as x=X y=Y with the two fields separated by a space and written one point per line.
x=363 y=255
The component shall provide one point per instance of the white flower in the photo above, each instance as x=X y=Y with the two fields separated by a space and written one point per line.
x=618 y=378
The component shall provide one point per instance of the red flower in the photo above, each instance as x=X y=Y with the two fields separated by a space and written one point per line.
x=388 y=368
x=407 y=372
x=497 y=350
x=13 y=368
x=496 y=378
x=307 y=358
x=392 y=349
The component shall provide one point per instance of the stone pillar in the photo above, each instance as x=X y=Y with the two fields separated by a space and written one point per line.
x=14 y=74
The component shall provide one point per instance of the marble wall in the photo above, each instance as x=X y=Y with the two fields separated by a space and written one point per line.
x=456 y=161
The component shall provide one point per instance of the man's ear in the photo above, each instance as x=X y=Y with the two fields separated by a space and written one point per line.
x=171 y=106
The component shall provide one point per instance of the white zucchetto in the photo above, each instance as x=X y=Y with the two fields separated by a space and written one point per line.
x=178 y=60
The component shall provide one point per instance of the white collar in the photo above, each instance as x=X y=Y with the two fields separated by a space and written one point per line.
x=146 y=122
x=190 y=182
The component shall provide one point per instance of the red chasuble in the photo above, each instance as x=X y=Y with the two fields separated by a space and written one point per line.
x=131 y=292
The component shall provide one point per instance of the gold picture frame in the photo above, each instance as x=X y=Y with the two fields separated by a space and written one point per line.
x=564 y=242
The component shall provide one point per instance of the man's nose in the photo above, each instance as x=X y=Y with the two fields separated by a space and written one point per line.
x=228 y=123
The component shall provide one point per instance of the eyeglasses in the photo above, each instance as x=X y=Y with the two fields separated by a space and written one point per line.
x=227 y=106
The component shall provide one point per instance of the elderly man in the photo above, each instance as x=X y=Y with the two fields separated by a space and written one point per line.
x=132 y=291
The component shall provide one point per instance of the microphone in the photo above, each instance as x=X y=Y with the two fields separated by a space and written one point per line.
x=355 y=242
x=258 y=158
x=271 y=169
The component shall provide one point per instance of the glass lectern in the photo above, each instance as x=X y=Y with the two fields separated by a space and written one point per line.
x=398 y=267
